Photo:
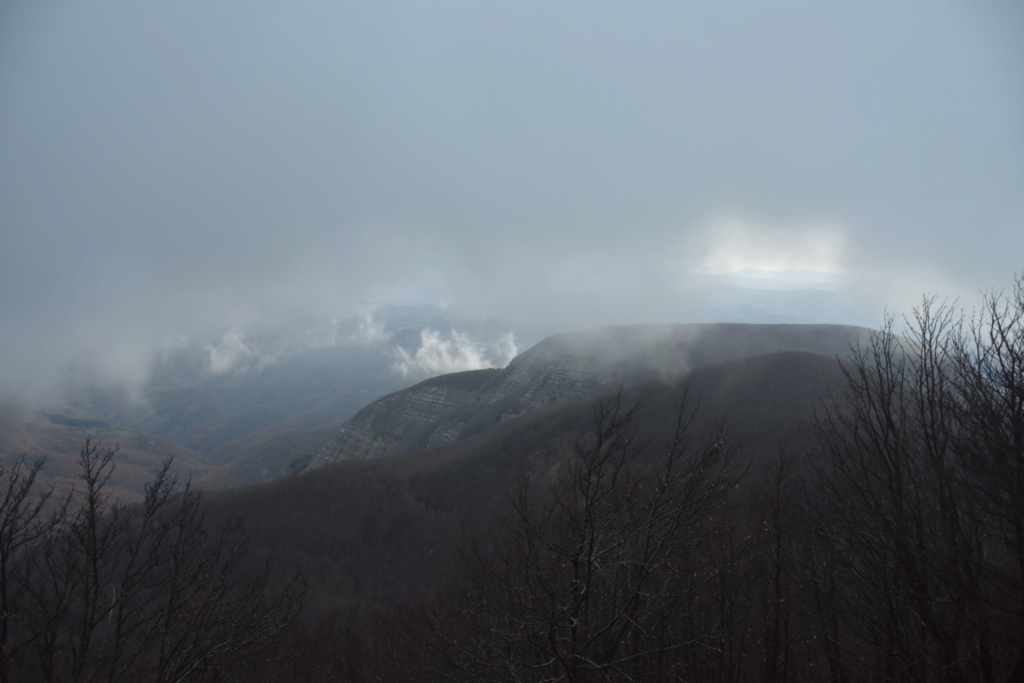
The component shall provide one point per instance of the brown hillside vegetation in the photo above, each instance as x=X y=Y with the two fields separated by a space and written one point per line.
x=57 y=436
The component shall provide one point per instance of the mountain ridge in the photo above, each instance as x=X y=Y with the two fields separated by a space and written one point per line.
x=444 y=409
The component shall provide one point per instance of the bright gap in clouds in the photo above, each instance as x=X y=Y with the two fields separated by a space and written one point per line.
x=763 y=255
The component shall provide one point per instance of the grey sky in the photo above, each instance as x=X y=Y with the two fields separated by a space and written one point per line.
x=169 y=168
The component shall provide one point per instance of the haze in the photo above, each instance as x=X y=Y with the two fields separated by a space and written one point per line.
x=176 y=169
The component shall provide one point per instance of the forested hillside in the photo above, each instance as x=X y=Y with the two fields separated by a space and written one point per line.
x=780 y=516
x=783 y=517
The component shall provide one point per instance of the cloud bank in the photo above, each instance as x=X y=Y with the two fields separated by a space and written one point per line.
x=194 y=171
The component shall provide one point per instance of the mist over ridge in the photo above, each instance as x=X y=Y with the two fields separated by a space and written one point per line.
x=183 y=179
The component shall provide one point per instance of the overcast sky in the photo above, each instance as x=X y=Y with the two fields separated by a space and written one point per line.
x=168 y=168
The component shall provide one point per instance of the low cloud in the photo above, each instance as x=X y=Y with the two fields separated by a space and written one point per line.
x=438 y=354
x=232 y=353
x=280 y=173
x=371 y=331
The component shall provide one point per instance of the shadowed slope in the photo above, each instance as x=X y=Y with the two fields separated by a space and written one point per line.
x=373 y=532
x=560 y=368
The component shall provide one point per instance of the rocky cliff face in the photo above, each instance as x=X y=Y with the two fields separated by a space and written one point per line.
x=560 y=368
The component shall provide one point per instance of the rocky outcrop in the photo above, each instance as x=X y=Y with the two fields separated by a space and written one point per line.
x=402 y=418
x=560 y=368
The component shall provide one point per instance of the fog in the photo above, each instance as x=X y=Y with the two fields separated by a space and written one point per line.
x=177 y=171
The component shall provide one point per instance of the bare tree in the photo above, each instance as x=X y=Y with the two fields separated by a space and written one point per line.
x=921 y=521
x=774 y=509
x=606 y=572
x=27 y=514
x=117 y=591
x=988 y=357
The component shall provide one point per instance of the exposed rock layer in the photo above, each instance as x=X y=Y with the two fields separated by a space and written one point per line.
x=563 y=367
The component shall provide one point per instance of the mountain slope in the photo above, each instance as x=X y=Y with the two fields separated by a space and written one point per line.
x=241 y=407
x=560 y=368
x=386 y=530
x=57 y=437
